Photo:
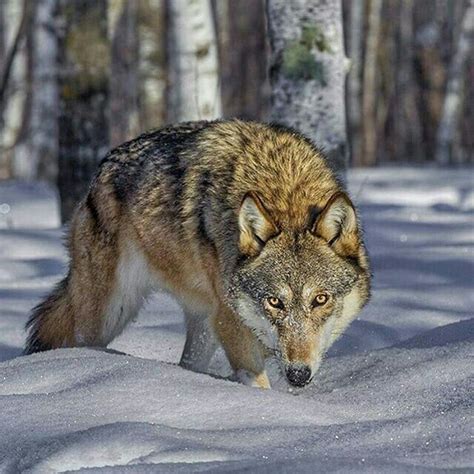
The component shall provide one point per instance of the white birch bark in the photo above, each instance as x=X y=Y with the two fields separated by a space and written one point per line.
x=36 y=156
x=452 y=101
x=194 y=70
x=12 y=119
x=307 y=71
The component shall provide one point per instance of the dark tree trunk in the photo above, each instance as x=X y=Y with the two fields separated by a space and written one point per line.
x=369 y=97
x=83 y=124
x=243 y=57
x=152 y=66
x=408 y=120
x=355 y=26
x=2 y=34
x=124 y=72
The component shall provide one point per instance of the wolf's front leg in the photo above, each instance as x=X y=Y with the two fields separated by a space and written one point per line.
x=245 y=353
x=201 y=344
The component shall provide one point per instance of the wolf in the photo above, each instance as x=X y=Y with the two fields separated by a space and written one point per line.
x=245 y=223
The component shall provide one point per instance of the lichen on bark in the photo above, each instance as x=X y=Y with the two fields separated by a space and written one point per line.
x=299 y=61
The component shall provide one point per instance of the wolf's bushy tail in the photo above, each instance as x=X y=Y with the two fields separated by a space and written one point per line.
x=50 y=324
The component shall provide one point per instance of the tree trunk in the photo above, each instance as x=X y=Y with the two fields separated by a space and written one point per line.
x=3 y=164
x=409 y=135
x=194 y=72
x=13 y=81
x=430 y=71
x=123 y=82
x=2 y=34
x=451 y=106
x=356 y=29
x=370 y=85
x=384 y=96
x=243 y=58
x=7 y=63
x=152 y=63
x=83 y=125
x=307 y=72
x=37 y=154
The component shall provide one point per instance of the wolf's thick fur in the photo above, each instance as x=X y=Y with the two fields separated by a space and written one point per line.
x=245 y=223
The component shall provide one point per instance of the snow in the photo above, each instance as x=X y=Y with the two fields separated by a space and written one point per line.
x=394 y=394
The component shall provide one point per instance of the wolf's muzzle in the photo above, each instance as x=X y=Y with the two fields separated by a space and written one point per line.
x=298 y=375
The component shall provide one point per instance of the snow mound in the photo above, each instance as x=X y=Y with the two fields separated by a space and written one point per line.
x=394 y=394
x=76 y=408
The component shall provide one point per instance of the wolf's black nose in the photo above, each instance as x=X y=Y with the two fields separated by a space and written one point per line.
x=298 y=375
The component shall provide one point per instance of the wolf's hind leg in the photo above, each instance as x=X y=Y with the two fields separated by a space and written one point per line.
x=200 y=345
x=72 y=314
x=132 y=284
x=106 y=284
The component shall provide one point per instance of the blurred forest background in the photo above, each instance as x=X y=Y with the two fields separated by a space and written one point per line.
x=80 y=76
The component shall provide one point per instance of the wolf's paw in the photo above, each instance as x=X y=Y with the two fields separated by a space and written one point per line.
x=253 y=380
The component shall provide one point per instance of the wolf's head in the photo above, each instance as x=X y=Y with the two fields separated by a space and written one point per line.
x=298 y=290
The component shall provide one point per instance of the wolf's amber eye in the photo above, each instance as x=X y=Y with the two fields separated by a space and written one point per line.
x=275 y=302
x=321 y=299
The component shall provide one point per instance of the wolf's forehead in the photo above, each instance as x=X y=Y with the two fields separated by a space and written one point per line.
x=320 y=274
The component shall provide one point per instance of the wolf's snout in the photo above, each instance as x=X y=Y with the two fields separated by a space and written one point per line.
x=298 y=375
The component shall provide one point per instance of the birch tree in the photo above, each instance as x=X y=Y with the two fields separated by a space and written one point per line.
x=193 y=62
x=13 y=79
x=307 y=71
x=451 y=106
x=36 y=154
x=3 y=167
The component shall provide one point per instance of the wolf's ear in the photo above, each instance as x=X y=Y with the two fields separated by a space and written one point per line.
x=255 y=225
x=337 y=224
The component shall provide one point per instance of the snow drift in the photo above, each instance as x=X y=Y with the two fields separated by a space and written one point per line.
x=395 y=393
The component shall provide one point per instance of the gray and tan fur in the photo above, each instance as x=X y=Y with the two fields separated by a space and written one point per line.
x=245 y=223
